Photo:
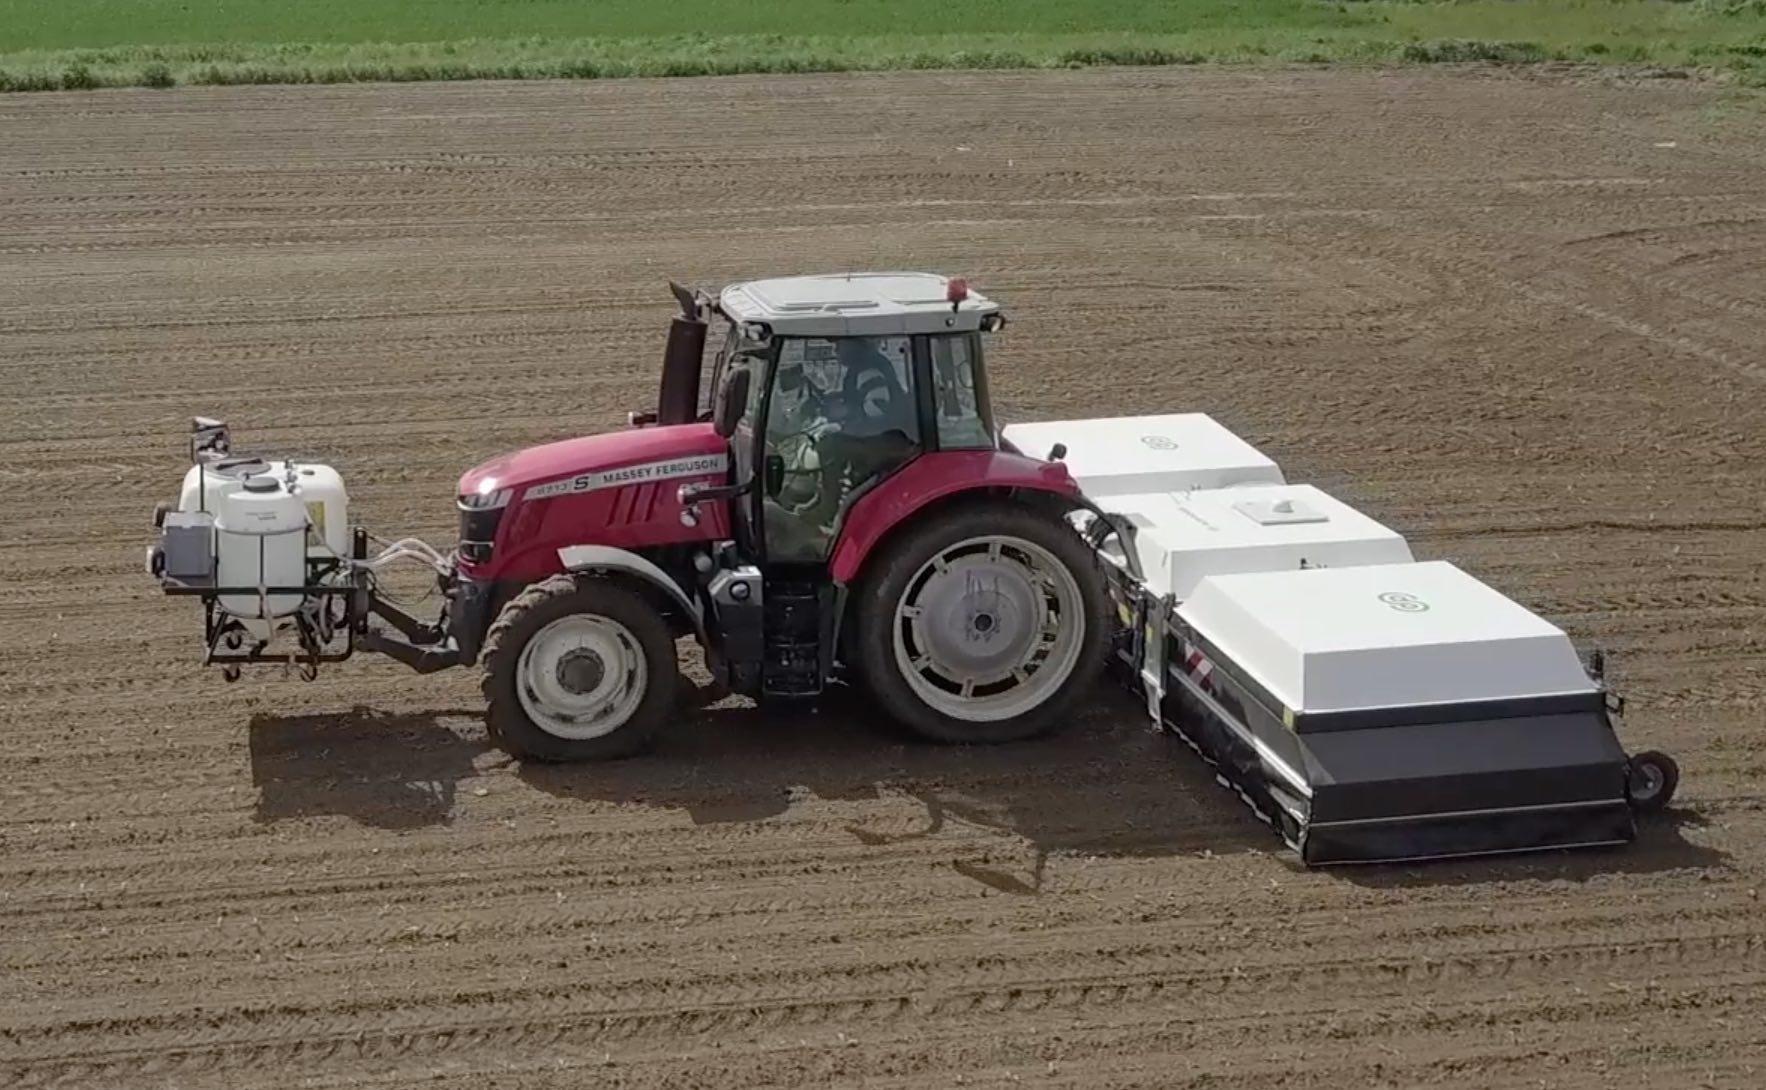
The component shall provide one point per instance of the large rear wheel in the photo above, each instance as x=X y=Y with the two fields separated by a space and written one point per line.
x=578 y=669
x=983 y=625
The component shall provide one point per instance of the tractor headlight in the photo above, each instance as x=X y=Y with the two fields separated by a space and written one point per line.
x=480 y=513
x=487 y=498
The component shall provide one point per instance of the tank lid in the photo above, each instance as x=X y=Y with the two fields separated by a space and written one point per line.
x=244 y=466
x=261 y=484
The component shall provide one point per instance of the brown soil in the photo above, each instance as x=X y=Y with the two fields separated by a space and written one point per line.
x=1519 y=319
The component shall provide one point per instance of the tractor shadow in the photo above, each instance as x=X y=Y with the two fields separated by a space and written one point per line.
x=1104 y=786
x=382 y=770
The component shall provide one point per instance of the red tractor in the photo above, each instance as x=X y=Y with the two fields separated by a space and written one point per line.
x=838 y=507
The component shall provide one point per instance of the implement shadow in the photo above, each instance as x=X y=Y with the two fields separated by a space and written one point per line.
x=382 y=770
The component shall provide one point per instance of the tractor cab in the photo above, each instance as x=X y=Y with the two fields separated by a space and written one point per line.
x=825 y=386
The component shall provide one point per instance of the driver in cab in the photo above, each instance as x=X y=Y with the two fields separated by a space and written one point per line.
x=837 y=418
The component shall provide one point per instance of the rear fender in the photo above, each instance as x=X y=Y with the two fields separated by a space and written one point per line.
x=943 y=476
x=606 y=558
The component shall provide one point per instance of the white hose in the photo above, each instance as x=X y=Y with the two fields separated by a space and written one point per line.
x=408 y=548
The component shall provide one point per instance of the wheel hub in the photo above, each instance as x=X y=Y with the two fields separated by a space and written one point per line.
x=581 y=677
x=580 y=671
x=1650 y=782
x=980 y=618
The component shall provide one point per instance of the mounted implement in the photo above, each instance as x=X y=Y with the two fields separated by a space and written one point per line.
x=841 y=506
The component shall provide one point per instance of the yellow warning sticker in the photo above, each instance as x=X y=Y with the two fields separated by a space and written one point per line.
x=316 y=522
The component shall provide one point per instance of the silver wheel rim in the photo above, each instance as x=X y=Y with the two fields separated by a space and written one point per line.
x=989 y=628
x=581 y=677
x=1650 y=780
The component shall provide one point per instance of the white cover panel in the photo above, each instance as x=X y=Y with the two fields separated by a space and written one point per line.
x=1379 y=636
x=1181 y=538
x=1173 y=452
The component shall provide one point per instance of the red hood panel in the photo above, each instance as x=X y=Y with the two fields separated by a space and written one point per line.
x=568 y=458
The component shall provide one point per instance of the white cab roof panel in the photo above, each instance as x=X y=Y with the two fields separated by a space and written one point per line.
x=1381 y=636
x=1181 y=538
x=1136 y=454
x=855 y=304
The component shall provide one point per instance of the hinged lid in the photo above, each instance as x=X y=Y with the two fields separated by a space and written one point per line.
x=1283 y=512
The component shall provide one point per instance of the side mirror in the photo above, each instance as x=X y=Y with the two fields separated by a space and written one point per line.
x=775 y=473
x=731 y=402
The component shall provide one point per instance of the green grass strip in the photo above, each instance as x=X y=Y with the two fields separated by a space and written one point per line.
x=80 y=44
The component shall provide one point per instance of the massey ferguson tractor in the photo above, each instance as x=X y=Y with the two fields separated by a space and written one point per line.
x=842 y=507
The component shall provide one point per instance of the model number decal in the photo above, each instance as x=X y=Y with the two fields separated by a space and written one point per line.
x=614 y=478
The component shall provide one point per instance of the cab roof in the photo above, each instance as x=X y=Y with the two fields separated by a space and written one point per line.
x=857 y=304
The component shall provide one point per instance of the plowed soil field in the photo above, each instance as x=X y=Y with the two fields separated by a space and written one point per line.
x=1520 y=319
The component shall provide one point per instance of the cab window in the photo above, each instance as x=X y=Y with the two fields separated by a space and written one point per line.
x=956 y=401
x=840 y=413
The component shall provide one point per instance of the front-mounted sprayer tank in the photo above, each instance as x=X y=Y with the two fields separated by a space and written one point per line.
x=319 y=488
x=260 y=541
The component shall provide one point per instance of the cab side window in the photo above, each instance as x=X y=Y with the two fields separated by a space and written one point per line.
x=956 y=404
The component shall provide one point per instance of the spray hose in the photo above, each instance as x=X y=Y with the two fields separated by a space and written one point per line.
x=409 y=548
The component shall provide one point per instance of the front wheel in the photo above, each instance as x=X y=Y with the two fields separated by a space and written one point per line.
x=578 y=669
x=984 y=625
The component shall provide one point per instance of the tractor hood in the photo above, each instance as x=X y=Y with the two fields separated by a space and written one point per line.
x=632 y=456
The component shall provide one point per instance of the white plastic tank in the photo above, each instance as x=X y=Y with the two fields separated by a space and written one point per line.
x=260 y=540
x=321 y=489
x=206 y=484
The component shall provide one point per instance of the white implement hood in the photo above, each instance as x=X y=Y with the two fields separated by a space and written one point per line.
x=1174 y=452
x=1181 y=538
x=1382 y=636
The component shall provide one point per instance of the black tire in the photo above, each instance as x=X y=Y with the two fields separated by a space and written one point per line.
x=525 y=616
x=889 y=577
x=1650 y=780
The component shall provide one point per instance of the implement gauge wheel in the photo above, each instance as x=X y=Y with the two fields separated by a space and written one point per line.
x=578 y=669
x=983 y=625
x=1650 y=779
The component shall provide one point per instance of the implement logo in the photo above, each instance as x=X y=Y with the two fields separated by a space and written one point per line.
x=1404 y=603
x=697 y=466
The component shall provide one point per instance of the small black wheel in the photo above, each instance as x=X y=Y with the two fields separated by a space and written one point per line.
x=578 y=669
x=983 y=624
x=1650 y=780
